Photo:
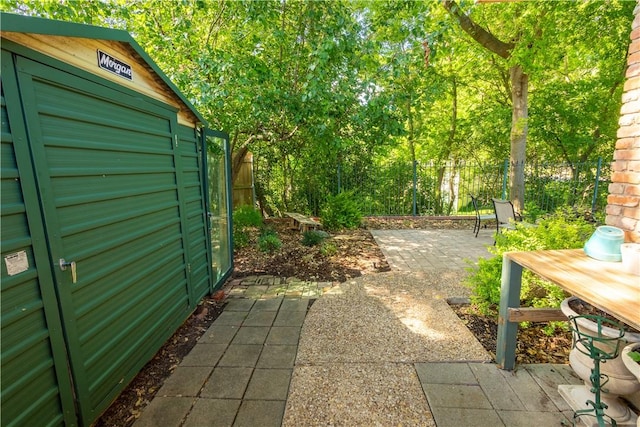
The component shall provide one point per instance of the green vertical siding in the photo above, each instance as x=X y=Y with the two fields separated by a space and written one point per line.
x=35 y=388
x=107 y=175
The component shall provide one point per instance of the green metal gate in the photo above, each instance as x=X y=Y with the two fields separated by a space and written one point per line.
x=105 y=242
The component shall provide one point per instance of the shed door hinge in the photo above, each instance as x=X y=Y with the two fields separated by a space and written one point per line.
x=175 y=139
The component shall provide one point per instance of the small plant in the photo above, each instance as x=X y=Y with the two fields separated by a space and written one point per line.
x=244 y=218
x=313 y=237
x=247 y=216
x=341 y=211
x=635 y=356
x=532 y=212
x=240 y=238
x=269 y=241
x=328 y=249
x=561 y=230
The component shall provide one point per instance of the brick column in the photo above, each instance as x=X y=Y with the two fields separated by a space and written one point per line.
x=623 y=202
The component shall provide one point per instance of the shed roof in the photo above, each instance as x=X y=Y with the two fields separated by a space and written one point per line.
x=33 y=25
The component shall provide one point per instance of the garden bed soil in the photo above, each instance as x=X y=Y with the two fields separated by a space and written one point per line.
x=351 y=253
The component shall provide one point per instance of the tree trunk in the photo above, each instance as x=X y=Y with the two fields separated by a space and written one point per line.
x=519 y=127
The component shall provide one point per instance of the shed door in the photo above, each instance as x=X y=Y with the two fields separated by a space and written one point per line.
x=36 y=388
x=107 y=172
x=218 y=188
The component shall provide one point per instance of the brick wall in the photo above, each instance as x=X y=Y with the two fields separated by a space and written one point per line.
x=623 y=203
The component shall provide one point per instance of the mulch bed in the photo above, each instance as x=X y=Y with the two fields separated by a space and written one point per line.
x=534 y=345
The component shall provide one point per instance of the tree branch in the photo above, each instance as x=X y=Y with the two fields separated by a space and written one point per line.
x=479 y=34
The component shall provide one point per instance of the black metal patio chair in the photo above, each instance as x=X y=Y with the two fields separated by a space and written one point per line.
x=479 y=217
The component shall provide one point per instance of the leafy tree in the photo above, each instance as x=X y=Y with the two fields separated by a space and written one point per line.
x=527 y=37
x=317 y=90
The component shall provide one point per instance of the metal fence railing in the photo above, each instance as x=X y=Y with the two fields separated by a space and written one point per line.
x=433 y=189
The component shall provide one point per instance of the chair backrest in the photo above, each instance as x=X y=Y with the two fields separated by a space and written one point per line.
x=474 y=201
x=505 y=213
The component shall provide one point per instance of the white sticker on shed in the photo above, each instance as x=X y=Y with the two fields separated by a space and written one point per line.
x=16 y=263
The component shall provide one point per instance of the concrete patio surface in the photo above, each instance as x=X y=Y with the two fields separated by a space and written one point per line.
x=380 y=350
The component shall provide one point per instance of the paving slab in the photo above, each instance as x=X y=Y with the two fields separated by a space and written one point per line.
x=468 y=417
x=445 y=373
x=204 y=354
x=456 y=396
x=185 y=381
x=165 y=411
x=528 y=391
x=533 y=419
x=290 y=318
x=269 y=384
x=498 y=387
x=259 y=318
x=219 y=334
x=227 y=383
x=278 y=356
x=284 y=335
x=230 y=318
x=263 y=413
x=267 y=304
x=422 y=250
x=251 y=335
x=213 y=413
x=382 y=349
x=241 y=355
x=239 y=304
x=548 y=378
x=525 y=397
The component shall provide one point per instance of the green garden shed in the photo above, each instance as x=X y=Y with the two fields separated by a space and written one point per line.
x=114 y=216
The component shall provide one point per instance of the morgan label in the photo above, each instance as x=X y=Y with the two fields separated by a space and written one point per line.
x=115 y=66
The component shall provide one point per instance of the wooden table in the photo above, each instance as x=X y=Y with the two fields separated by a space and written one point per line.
x=600 y=283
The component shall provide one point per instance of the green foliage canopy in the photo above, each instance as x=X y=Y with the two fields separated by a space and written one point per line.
x=309 y=87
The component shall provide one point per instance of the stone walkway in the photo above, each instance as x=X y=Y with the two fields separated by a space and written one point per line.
x=376 y=350
x=425 y=250
x=239 y=372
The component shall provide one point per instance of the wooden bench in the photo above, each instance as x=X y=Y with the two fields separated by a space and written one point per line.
x=301 y=222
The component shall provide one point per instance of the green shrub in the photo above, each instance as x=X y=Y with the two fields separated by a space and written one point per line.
x=532 y=212
x=240 y=238
x=244 y=218
x=561 y=230
x=341 y=211
x=313 y=237
x=269 y=241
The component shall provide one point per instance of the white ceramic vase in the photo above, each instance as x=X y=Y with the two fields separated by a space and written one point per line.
x=621 y=382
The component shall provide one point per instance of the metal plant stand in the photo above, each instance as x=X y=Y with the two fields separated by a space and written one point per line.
x=599 y=348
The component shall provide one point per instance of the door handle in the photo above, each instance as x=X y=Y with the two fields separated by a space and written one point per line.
x=65 y=264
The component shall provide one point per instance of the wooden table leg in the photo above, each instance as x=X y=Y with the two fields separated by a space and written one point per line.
x=509 y=298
